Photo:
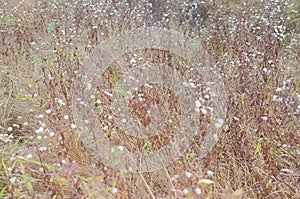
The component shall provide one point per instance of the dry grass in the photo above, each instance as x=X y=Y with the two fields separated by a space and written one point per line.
x=255 y=46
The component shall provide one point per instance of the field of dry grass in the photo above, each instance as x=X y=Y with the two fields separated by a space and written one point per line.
x=44 y=48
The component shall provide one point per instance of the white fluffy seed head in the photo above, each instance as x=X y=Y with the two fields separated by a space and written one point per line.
x=185 y=191
x=198 y=191
x=188 y=174
x=114 y=190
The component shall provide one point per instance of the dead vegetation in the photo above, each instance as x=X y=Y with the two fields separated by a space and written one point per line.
x=255 y=46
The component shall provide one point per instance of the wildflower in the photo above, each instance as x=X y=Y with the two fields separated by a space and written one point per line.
x=203 y=111
x=121 y=148
x=188 y=174
x=43 y=148
x=59 y=101
x=175 y=177
x=89 y=86
x=108 y=93
x=73 y=126
x=264 y=118
x=192 y=85
x=185 y=191
x=50 y=77
x=219 y=123
x=185 y=84
x=210 y=173
x=132 y=61
x=29 y=156
x=197 y=190
x=197 y=103
x=16 y=125
x=105 y=128
x=9 y=129
x=114 y=190
x=40 y=130
x=13 y=180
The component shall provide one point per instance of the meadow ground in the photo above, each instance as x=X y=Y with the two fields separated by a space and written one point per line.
x=44 y=46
